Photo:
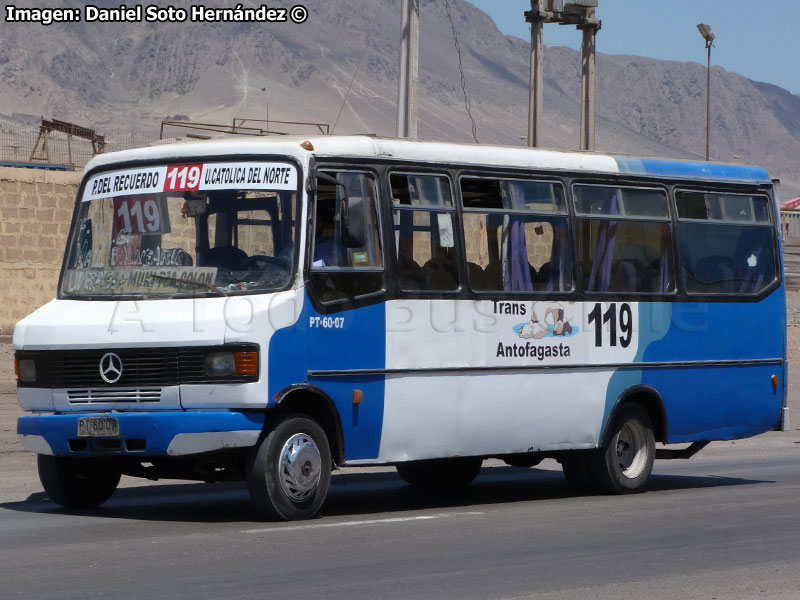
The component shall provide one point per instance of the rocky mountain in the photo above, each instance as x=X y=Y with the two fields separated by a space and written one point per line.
x=117 y=76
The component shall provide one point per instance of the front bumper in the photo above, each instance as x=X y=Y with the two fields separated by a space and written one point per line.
x=167 y=433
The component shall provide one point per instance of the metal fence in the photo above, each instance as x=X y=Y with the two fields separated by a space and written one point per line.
x=790 y=224
x=17 y=143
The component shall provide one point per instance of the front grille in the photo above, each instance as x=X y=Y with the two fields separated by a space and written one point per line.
x=193 y=365
x=140 y=368
x=104 y=395
x=144 y=371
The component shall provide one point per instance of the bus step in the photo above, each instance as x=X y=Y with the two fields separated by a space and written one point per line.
x=689 y=452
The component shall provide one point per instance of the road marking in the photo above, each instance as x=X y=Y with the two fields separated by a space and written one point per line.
x=362 y=522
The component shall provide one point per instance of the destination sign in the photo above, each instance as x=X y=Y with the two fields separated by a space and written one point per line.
x=192 y=177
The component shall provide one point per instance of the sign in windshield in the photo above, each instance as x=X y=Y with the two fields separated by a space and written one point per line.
x=198 y=228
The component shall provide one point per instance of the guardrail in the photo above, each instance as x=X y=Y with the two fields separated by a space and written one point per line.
x=790 y=232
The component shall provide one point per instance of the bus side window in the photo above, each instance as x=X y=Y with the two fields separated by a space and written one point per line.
x=624 y=239
x=343 y=267
x=424 y=230
x=516 y=240
x=726 y=243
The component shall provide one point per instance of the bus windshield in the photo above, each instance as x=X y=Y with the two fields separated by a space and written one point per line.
x=183 y=230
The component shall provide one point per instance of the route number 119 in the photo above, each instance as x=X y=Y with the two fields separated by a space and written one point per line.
x=622 y=319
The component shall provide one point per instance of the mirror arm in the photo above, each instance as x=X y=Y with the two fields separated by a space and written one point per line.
x=328 y=179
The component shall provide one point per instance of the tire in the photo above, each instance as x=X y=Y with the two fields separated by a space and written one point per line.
x=624 y=464
x=441 y=473
x=78 y=482
x=578 y=472
x=291 y=469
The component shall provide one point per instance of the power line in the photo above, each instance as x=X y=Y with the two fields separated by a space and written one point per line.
x=467 y=104
x=360 y=63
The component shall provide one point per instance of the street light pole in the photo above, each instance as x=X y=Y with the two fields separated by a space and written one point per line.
x=708 y=104
x=705 y=31
x=266 y=96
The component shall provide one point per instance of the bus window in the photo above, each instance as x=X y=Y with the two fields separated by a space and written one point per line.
x=508 y=247
x=343 y=267
x=704 y=206
x=424 y=229
x=725 y=242
x=618 y=250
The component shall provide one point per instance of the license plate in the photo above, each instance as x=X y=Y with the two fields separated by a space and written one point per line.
x=98 y=427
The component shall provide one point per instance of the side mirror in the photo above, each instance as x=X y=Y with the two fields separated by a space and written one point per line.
x=353 y=220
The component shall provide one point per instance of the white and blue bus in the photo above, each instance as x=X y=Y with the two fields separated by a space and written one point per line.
x=268 y=310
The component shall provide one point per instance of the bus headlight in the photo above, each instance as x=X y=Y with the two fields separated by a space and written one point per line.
x=226 y=364
x=221 y=364
x=26 y=370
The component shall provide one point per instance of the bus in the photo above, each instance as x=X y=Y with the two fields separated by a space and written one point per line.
x=268 y=310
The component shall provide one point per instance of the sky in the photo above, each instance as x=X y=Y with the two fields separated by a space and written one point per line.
x=756 y=39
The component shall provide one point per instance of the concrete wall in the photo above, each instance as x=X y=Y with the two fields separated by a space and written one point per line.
x=35 y=212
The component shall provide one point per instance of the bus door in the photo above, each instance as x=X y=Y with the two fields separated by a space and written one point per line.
x=345 y=318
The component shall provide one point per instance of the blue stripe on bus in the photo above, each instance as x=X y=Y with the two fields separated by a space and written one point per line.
x=702 y=402
x=718 y=403
x=696 y=170
x=359 y=343
x=157 y=428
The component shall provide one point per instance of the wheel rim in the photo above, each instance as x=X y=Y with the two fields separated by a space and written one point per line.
x=300 y=467
x=632 y=449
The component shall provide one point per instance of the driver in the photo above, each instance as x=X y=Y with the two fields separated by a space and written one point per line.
x=327 y=250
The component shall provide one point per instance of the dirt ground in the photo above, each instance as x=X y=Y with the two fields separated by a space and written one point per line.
x=18 y=477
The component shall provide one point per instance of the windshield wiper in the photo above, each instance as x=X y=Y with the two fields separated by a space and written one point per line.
x=207 y=286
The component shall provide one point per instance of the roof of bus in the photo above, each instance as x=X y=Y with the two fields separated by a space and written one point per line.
x=439 y=152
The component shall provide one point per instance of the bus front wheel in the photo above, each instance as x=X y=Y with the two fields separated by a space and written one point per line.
x=78 y=482
x=624 y=464
x=291 y=470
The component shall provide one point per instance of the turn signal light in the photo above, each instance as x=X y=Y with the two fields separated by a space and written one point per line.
x=307 y=146
x=246 y=363
x=775 y=381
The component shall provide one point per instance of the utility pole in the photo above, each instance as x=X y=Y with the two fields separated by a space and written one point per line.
x=407 y=93
x=536 y=95
x=587 y=79
x=564 y=12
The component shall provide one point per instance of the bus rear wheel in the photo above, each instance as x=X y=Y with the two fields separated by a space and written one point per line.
x=441 y=473
x=624 y=464
x=291 y=469
x=78 y=482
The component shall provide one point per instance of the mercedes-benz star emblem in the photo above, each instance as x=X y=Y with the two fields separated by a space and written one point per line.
x=110 y=367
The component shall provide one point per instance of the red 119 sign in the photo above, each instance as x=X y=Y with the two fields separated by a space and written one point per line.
x=183 y=178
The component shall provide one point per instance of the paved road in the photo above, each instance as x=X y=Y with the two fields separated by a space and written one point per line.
x=725 y=526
